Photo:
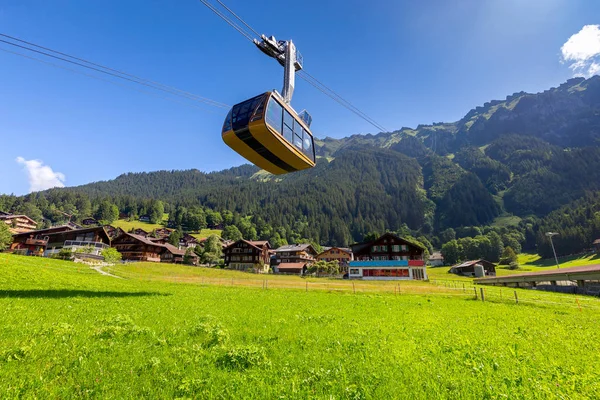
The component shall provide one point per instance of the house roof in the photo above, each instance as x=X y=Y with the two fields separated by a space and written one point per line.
x=143 y=239
x=471 y=263
x=258 y=244
x=54 y=229
x=358 y=247
x=597 y=241
x=436 y=256
x=174 y=250
x=294 y=247
x=291 y=266
x=344 y=249
x=11 y=216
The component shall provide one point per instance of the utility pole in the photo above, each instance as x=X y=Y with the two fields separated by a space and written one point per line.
x=550 y=234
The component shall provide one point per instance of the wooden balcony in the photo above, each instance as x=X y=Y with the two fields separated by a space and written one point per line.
x=36 y=242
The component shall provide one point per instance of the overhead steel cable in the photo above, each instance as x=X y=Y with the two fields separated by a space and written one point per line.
x=188 y=104
x=302 y=73
x=115 y=73
x=238 y=17
x=230 y=22
x=339 y=99
x=170 y=88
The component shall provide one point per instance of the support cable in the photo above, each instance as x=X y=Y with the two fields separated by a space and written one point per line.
x=117 y=74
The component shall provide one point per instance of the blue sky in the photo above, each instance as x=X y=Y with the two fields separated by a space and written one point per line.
x=401 y=62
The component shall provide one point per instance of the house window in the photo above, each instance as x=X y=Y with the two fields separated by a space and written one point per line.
x=354 y=271
x=383 y=248
x=395 y=248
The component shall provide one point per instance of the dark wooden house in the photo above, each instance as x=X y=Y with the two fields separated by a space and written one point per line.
x=389 y=257
x=247 y=255
x=138 y=248
x=294 y=258
x=51 y=240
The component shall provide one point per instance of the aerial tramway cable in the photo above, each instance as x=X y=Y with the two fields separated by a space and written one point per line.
x=103 y=69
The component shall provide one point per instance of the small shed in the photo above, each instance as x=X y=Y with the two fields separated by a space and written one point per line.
x=596 y=244
x=436 y=259
x=468 y=268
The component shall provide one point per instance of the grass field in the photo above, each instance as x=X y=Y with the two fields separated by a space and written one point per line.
x=129 y=225
x=206 y=233
x=69 y=332
x=534 y=261
x=148 y=227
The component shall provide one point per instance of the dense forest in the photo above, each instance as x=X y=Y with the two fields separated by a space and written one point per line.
x=531 y=159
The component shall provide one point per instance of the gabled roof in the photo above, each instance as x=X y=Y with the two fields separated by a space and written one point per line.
x=257 y=244
x=344 y=249
x=436 y=256
x=54 y=229
x=471 y=263
x=597 y=241
x=174 y=250
x=142 y=239
x=295 y=247
x=358 y=247
x=291 y=266
x=11 y=216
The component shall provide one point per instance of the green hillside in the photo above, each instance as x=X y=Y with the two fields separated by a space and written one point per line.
x=509 y=166
x=69 y=332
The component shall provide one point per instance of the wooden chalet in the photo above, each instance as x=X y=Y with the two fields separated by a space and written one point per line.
x=342 y=255
x=294 y=258
x=18 y=223
x=188 y=241
x=388 y=257
x=46 y=242
x=161 y=232
x=245 y=255
x=137 y=248
x=172 y=254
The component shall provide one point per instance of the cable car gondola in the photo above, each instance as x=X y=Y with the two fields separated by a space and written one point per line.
x=270 y=134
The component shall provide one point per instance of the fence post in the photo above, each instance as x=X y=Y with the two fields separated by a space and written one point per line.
x=475 y=290
x=353 y=288
x=399 y=292
x=578 y=305
x=464 y=290
x=500 y=293
x=516 y=298
x=482 y=294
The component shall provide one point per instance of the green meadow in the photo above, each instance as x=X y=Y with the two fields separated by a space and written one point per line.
x=67 y=331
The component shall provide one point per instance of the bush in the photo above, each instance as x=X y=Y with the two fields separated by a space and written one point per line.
x=513 y=265
x=65 y=254
x=111 y=255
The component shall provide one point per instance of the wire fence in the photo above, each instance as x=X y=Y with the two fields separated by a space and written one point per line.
x=436 y=287
x=445 y=288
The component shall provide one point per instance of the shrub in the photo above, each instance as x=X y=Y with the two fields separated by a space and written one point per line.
x=111 y=255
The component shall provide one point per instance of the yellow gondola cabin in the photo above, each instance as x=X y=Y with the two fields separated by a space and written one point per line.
x=267 y=132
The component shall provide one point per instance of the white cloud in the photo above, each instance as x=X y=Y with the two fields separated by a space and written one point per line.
x=582 y=51
x=40 y=176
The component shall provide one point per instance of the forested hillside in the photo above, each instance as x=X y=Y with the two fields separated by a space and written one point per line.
x=528 y=158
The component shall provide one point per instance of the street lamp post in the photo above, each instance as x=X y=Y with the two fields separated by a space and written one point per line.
x=550 y=234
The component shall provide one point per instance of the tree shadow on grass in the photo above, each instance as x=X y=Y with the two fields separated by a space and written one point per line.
x=66 y=293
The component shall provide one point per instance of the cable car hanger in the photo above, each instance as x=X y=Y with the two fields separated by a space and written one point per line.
x=265 y=129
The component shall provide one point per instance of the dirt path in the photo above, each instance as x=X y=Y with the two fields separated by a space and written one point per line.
x=99 y=269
